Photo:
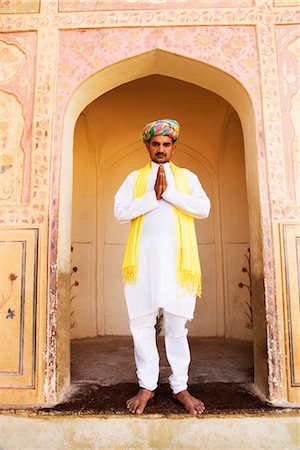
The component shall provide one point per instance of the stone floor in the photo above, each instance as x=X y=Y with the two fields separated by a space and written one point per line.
x=108 y=360
x=103 y=378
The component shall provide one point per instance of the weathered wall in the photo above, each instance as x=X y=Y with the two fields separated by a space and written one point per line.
x=53 y=53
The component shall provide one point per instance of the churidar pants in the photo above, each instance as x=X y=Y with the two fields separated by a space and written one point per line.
x=146 y=353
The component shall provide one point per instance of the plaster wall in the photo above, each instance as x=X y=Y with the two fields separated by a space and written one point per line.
x=60 y=56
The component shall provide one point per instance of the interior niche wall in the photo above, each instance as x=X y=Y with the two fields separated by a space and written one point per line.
x=106 y=149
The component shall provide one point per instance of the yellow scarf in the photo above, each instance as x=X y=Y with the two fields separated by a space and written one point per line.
x=188 y=272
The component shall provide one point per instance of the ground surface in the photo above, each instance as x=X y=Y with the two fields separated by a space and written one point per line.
x=219 y=398
x=103 y=377
x=108 y=360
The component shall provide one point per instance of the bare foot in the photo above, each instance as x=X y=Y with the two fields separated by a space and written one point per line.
x=138 y=402
x=191 y=404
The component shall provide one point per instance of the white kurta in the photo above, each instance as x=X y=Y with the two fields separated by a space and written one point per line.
x=156 y=285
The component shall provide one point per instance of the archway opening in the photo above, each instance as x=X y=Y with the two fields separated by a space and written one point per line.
x=106 y=150
x=211 y=155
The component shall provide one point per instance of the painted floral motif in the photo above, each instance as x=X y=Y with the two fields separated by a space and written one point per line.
x=247 y=270
x=205 y=39
x=11 y=58
x=233 y=47
x=226 y=47
x=5 y=297
x=74 y=284
x=10 y=314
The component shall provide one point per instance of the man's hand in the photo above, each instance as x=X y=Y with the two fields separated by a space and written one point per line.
x=161 y=182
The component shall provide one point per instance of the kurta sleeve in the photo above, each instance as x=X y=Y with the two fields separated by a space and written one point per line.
x=126 y=207
x=195 y=204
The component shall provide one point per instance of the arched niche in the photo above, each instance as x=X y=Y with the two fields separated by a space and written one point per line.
x=205 y=76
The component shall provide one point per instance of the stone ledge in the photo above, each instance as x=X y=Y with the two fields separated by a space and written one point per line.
x=226 y=433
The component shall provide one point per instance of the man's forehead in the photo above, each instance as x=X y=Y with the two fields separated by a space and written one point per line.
x=159 y=138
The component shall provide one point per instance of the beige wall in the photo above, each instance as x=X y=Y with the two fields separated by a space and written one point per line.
x=106 y=149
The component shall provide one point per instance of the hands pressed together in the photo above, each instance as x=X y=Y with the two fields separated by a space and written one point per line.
x=161 y=182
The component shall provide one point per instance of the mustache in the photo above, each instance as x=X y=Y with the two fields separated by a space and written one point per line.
x=160 y=153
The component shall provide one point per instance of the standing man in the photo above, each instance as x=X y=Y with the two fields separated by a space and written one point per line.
x=161 y=266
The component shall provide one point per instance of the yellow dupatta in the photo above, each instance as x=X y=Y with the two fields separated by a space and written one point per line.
x=188 y=271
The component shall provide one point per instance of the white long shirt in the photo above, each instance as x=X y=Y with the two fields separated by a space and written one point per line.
x=156 y=285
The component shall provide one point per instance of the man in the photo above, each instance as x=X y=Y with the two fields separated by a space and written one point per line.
x=161 y=265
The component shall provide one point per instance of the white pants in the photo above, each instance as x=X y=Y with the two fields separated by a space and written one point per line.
x=146 y=354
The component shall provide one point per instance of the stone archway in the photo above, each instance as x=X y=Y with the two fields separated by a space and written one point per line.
x=215 y=80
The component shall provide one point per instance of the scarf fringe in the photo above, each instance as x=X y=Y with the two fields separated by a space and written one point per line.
x=129 y=274
x=190 y=281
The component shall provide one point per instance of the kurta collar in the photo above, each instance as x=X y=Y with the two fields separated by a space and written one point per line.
x=154 y=165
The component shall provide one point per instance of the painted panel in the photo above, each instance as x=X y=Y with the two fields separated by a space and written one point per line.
x=19 y=250
x=98 y=5
x=288 y=41
x=18 y=58
x=19 y=6
x=291 y=266
x=12 y=282
x=286 y=2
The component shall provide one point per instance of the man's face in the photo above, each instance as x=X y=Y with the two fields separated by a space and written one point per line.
x=161 y=149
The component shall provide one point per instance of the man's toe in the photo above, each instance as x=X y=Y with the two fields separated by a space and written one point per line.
x=130 y=407
x=200 y=409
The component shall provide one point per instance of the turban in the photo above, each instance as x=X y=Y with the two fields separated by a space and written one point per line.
x=164 y=127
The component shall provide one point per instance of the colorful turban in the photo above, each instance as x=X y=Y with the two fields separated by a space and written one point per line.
x=164 y=127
